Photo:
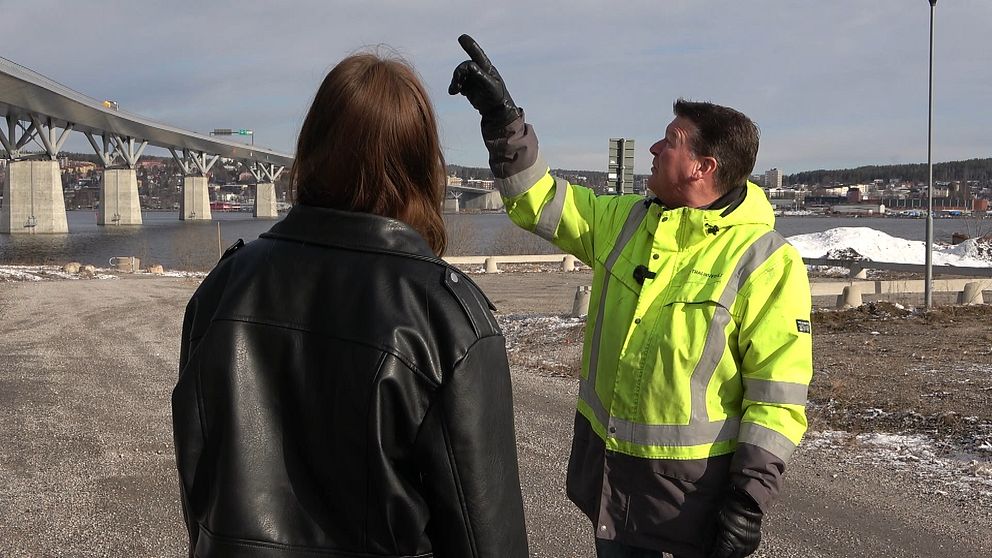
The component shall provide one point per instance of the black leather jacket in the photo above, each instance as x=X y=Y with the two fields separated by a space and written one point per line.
x=345 y=393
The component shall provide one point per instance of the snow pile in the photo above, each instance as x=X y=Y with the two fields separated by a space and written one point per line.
x=856 y=243
x=10 y=273
x=183 y=274
x=923 y=459
x=976 y=248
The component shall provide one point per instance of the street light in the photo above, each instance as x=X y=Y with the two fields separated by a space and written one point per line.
x=928 y=281
x=231 y=132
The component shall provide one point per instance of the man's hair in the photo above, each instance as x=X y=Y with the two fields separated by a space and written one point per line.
x=370 y=144
x=724 y=134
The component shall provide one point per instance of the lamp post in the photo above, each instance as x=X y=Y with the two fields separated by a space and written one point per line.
x=928 y=280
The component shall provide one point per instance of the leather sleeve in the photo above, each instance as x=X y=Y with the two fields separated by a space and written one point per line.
x=470 y=476
x=186 y=424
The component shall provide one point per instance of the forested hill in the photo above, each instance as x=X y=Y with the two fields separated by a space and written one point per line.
x=971 y=169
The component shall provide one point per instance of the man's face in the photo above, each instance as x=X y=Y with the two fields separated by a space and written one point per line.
x=673 y=165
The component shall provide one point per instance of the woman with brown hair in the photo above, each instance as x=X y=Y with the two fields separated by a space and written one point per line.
x=343 y=392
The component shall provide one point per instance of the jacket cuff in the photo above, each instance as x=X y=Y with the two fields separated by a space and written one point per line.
x=512 y=148
x=758 y=473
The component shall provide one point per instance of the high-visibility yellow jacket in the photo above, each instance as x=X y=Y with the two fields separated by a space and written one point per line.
x=697 y=342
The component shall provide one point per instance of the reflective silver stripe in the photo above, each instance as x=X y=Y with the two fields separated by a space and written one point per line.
x=634 y=218
x=757 y=254
x=768 y=391
x=713 y=349
x=766 y=439
x=716 y=337
x=693 y=434
x=513 y=186
x=551 y=213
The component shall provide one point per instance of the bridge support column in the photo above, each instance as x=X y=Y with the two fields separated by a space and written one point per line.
x=265 y=201
x=119 y=204
x=195 y=204
x=32 y=199
x=489 y=201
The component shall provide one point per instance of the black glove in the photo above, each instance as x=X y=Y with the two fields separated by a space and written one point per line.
x=478 y=80
x=738 y=529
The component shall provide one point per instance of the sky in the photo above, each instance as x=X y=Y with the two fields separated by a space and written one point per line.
x=831 y=83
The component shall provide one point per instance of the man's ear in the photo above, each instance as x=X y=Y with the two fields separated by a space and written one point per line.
x=706 y=167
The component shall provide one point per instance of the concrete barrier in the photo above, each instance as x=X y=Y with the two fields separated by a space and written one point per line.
x=581 y=305
x=125 y=264
x=972 y=294
x=850 y=297
x=568 y=263
x=491 y=265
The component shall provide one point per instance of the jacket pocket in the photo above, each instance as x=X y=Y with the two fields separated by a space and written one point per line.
x=620 y=275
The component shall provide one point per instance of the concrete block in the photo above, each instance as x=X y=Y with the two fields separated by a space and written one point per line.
x=265 y=201
x=195 y=202
x=972 y=294
x=491 y=265
x=568 y=263
x=119 y=203
x=850 y=298
x=126 y=264
x=32 y=199
x=580 y=307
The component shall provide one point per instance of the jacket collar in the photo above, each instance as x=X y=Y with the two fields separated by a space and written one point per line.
x=349 y=229
x=745 y=204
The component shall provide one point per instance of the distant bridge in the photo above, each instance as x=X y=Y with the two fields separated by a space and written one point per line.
x=467 y=197
x=40 y=110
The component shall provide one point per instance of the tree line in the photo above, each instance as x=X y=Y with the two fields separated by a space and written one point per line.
x=971 y=169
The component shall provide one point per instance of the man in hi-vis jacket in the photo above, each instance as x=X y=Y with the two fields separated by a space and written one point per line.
x=697 y=352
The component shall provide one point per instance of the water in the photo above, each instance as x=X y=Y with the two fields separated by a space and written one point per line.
x=192 y=245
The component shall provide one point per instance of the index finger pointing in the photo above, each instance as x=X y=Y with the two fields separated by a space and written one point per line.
x=475 y=52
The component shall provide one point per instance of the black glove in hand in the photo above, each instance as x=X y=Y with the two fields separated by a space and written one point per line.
x=738 y=526
x=478 y=80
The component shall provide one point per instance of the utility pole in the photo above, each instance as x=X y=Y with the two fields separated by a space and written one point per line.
x=928 y=281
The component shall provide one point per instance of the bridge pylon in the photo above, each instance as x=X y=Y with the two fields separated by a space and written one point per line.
x=194 y=205
x=119 y=201
x=266 y=206
x=32 y=194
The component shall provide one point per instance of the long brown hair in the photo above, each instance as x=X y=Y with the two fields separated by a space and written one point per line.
x=370 y=144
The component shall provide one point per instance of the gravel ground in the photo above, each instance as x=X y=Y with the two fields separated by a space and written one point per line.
x=890 y=468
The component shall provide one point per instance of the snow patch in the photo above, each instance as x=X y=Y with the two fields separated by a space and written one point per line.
x=861 y=243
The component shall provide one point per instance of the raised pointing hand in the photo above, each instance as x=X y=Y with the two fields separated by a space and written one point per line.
x=481 y=83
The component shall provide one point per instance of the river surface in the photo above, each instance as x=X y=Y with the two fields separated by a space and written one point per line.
x=193 y=245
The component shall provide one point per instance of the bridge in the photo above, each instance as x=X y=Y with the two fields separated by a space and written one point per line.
x=40 y=110
x=460 y=197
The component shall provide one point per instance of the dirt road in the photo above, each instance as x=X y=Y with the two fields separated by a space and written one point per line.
x=87 y=466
